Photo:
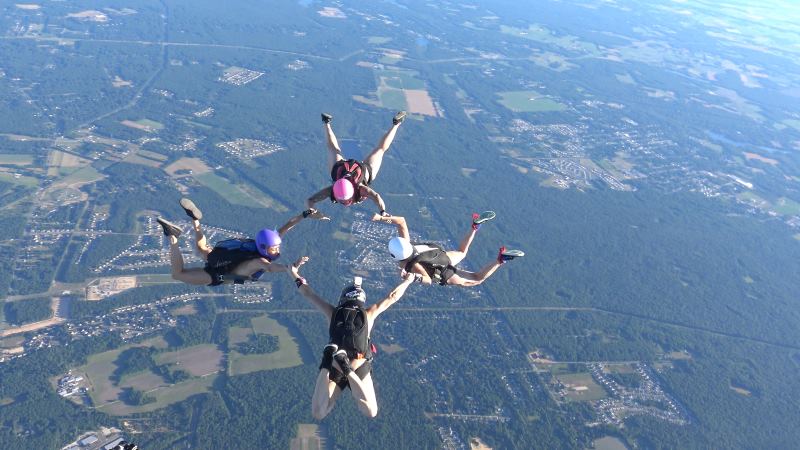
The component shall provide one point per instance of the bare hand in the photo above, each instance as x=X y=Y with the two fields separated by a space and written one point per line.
x=294 y=269
x=377 y=217
x=318 y=215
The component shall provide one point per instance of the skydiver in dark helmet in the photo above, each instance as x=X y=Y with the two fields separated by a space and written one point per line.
x=431 y=263
x=347 y=359
x=229 y=261
x=351 y=178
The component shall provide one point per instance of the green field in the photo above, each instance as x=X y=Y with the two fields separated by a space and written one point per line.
x=594 y=392
x=224 y=188
x=400 y=79
x=152 y=124
x=287 y=355
x=238 y=194
x=378 y=40
x=105 y=395
x=198 y=360
x=392 y=99
x=83 y=175
x=21 y=180
x=540 y=34
x=794 y=123
x=9 y=159
x=528 y=101
x=787 y=207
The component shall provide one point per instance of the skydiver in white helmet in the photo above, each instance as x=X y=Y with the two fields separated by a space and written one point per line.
x=351 y=178
x=347 y=359
x=430 y=263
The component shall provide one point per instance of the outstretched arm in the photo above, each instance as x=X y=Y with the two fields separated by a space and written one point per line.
x=374 y=196
x=318 y=302
x=311 y=212
x=375 y=310
x=398 y=221
x=318 y=197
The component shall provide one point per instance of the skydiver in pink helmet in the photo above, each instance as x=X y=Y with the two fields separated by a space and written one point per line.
x=229 y=261
x=351 y=178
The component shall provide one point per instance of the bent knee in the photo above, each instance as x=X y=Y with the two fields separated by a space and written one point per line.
x=370 y=412
x=319 y=413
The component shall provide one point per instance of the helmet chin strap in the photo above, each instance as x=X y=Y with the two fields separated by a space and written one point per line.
x=271 y=258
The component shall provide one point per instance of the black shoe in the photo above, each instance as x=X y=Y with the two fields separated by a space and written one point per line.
x=344 y=362
x=170 y=229
x=399 y=118
x=327 y=356
x=327 y=118
x=191 y=210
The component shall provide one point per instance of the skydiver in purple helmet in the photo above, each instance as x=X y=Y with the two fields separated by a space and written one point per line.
x=351 y=178
x=229 y=261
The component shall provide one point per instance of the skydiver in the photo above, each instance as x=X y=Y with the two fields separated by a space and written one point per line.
x=432 y=264
x=231 y=260
x=351 y=178
x=347 y=359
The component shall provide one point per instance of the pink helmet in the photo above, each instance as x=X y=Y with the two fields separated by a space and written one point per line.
x=343 y=190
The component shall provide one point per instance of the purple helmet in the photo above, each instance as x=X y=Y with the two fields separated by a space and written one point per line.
x=265 y=239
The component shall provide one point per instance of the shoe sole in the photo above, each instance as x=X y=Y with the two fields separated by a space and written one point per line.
x=191 y=210
x=170 y=228
x=399 y=117
x=484 y=217
x=513 y=253
x=327 y=118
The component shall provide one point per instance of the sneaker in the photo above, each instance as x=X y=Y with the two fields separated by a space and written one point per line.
x=507 y=255
x=191 y=210
x=327 y=118
x=344 y=362
x=478 y=219
x=170 y=229
x=327 y=356
x=399 y=118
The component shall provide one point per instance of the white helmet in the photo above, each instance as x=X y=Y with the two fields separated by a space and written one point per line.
x=400 y=248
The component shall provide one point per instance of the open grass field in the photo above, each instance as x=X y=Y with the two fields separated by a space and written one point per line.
x=575 y=383
x=164 y=396
x=195 y=165
x=378 y=40
x=262 y=198
x=136 y=159
x=787 y=207
x=393 y=99
x=100 y=367
x=84 y=175
x=308 y=438
x=528 y=101
x=238 y=335
x=184 y=310
x=152 y=155
x=399 y=79
x=147 y=125
x=225 y=188
x=198 y=360
x=18 y=179
x=105 y=396
x=287 y=355
x=10 y=159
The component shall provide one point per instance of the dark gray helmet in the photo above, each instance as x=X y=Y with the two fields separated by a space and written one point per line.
x=353 y=292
